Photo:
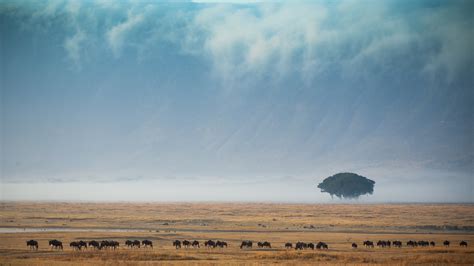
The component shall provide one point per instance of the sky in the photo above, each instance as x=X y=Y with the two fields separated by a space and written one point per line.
x=235 y=100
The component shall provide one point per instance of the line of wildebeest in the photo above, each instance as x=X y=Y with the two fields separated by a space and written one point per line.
x=112 y=244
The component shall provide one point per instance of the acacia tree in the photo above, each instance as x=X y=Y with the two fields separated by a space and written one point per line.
x=347 y=185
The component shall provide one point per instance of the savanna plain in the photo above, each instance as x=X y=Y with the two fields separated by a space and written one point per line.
x=338 y=225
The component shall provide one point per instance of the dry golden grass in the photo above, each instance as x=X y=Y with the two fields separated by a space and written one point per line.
x=402 y=217
x=337 y=225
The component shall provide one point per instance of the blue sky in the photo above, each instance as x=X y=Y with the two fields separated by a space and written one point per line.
x=219 y=99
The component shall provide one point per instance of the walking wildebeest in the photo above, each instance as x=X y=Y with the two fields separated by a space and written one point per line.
x=368 y=244
x=310 y=245
x=322 y=245
x=463 y=244
x=300 y=246
x=195 y=244
x=114 y=244
x=104 y=244
x=423 y=243
x=186 y=243
x=56 y=244
x=136 y=244
x=383 y=243
x=397 y=244
x=210 y=244
x=411 y=243
x=129 y=243
x=147 y=243
x=246 y=244
x=432 y=243
x=82 y=244
x=32 y=244
x=94 y=244
x=446 y=243
x=75 y=245
x=354 y=245
x=110 y=244
x=288 y=245
x=177 y=244
x=221 y=244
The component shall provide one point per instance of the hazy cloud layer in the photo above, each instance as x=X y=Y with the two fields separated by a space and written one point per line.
x=306 y=38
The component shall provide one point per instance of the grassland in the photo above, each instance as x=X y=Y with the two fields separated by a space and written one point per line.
x=337 y=225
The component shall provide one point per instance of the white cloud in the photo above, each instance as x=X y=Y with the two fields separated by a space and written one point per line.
x=276 y=40
x=308 y=39
x=229 y=1
x=257 y=39
x=73 y=6
x=73 y=46
x=455 y=38
x=51 y=8
x=117 y=35
x=107 y=4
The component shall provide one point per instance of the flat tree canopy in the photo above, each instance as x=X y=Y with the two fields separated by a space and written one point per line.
x=347 y=185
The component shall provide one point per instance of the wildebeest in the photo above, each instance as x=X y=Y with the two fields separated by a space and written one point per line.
x=195 y=244
x=310 y=245
x=446 y=243
x=368 y=244
x=75 y=245
x=136 y=244
x=246 y=244
x=177 y=244
x=322 y=245
x=210 y=244
x=56 y=244
x=301 y=245
x=221 y=244
x=186 y=243
x=94 y=244
x=288 y=245
x=147 y=243
x=354 y=245
x=397 y=243
x=114 y=244
x=264 y=244
x=423 y=243
x=411 y=243
x=463 y=244
x=32 y=244
x=109 y=244
x=82 y=244
x=432 y=243
x=129 y=243
x=383 y=243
